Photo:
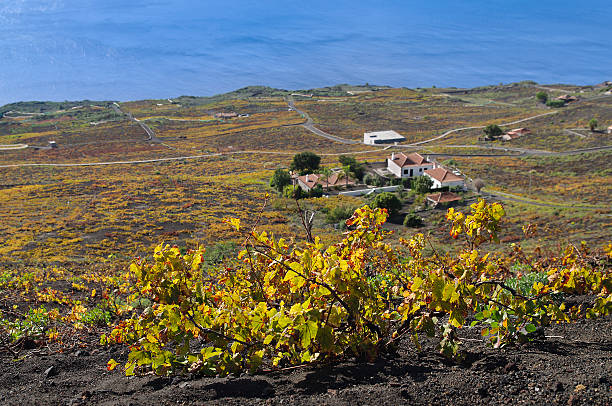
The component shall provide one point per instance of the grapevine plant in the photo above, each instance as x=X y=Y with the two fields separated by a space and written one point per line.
x=285 y=303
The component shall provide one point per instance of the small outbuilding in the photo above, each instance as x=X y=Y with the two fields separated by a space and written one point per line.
x=226 y=115
x=382 y=137
x=444 y=199
x=567 y=98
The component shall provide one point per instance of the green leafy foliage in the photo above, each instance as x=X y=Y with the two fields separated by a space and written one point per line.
x=355 y=167
x=305 y=162
x=289 y=304
x=412 y=220
x=542 y=96
x=280 y=180
x=388 y=201
x=555 y=103
x=492 y=131
x=421 y=184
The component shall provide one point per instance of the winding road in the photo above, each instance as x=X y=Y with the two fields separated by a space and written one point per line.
x=309 y=125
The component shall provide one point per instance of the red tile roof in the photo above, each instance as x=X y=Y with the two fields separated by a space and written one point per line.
x=309 y=180
x=444 y=197
x=443 y=175
x=412 y=159
x=318 y=179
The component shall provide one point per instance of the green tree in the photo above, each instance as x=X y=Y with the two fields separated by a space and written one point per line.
x=305 y=162
x=593 y=124
x=355 y=167
x=388 y=201
x=492 y=131
x=280 y=179
x=326 y=172
x=346 y=170
x=542 y=96
x=421 y=184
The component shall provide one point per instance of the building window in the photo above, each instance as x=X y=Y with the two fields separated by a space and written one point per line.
x=405 y=171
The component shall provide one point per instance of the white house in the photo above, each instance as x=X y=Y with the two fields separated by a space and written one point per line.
x=408 y=166
x=444 y=178
x=382 y=137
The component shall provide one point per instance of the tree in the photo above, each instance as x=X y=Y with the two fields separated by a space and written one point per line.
x=421 y=184
x=280 y=179
x=346 y=171
x=305 y=162
x=593 y=124
x=492 y=131
x=355 y=167
x=326 y=172
x=388 y=201
x=542 y=96
x=478 y=184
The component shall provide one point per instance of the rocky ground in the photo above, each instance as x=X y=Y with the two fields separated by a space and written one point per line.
x=572 y=365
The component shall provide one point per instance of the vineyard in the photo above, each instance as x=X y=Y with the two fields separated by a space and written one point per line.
x=172 y=260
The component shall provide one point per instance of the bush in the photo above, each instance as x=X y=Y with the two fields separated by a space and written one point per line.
x=289 y=304
x=316 y=191
x=339 y=213
x=388 y=201
x=373 y=180
x=593 y=124
x=542 y=96
x=412 y=220
x=555 y=103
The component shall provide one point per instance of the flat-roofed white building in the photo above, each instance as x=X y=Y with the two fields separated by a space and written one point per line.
x=382 y=137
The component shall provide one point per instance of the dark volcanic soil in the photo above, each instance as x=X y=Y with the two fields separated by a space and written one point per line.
x=572 y=366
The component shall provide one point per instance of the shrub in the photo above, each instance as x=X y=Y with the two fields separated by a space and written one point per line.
x=555 y=103
x=339 y=213
x=373 y=180
x=388 y=201
x=542 y=96
x=593 y=124
x=412 y=220
x=289 y=304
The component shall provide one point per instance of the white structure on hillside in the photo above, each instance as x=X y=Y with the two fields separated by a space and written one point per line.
x=382 y=137
x=444 y=178
x=408 y=166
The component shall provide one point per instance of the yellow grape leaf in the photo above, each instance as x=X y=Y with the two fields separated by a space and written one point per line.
x=234 y=222
x=111 y=364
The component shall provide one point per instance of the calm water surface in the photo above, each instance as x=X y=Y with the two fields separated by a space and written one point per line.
x=126 y=50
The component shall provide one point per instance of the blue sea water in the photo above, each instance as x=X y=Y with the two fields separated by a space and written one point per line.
x=135 y=49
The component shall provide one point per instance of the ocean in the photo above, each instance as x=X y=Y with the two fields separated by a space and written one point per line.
x=128 y=50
